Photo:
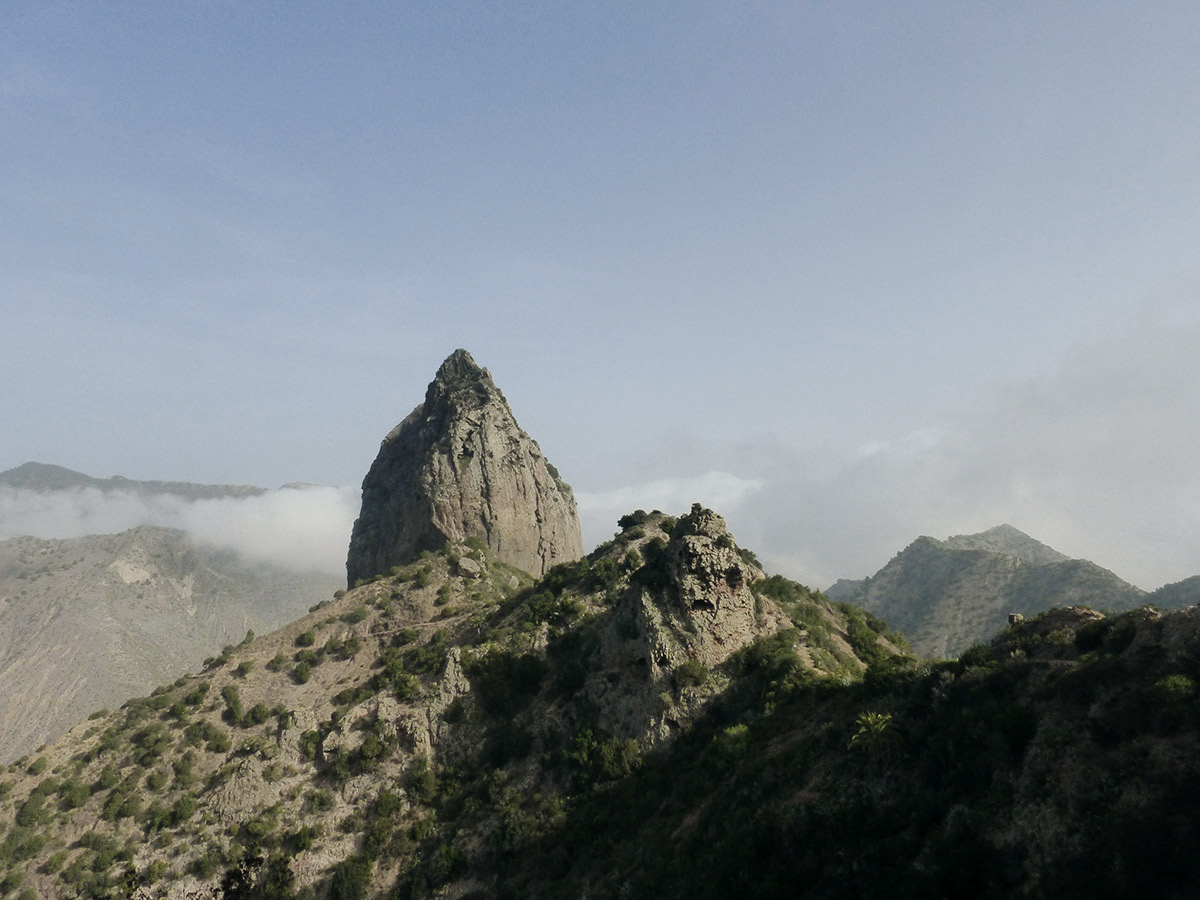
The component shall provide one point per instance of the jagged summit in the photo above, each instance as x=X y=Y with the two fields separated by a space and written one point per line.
x=459 y=466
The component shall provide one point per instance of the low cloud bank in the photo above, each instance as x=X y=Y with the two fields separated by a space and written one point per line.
x=1096 y=458
x=305 y=529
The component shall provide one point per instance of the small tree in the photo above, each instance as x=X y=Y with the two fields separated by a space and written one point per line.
x=876 y=734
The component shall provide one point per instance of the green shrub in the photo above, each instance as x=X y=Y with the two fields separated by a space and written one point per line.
x=108 y=778
x=302 y=673
x=217 y=741
x=506 y=681
x=196 y=695
x=30 y=812
x=356 y=615
x=73 y=795
x=305 y=639
x=233 y=704
x=310 y=743
x=256 y=715
x=690 y=673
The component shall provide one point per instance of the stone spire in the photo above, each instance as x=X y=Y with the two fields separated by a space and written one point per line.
x=460 y=466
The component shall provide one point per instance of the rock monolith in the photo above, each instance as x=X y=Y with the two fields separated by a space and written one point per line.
x=458 y=467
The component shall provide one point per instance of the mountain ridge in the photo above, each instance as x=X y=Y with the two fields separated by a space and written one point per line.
x=946 y=595
x=46 y=477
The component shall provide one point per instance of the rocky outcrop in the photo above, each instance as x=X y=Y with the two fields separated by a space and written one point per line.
x=685 y=612
x=459 y=467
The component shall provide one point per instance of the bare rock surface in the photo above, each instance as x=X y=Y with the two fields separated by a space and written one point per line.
x=459 y=467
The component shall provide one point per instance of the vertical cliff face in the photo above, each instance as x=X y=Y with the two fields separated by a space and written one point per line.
x=459 y=466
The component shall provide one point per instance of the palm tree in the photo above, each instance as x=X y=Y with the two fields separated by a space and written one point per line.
x=876 y=734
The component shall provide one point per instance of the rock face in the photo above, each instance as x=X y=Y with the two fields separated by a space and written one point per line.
x=688 y=610
x=458 y=467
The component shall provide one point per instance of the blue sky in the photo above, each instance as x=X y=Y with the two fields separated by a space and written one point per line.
x=848 y=272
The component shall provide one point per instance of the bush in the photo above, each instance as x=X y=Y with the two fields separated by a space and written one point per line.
x=691 y=673
x=306 y=639
x=196 y=695
x=302 y=673
x=258 y=714
x=233 y=704
x=507 y=682
x=30 y=812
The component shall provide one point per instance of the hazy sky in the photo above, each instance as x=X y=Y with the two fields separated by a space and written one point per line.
x=847 y=272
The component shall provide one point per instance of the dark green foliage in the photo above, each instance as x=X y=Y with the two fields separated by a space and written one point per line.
x=278 y=662
x=771 y=658
x=350 y=879
x=73 y=794
x=310 y=743
x=404 y=636
x=749 y=558
x=196 y=695
x=30 y=812
x=356 y=615
x=233 y=704
x=256 y=715
x=305 y=639
x=428 y=658
x=690 y=673
x=108 y=778
x=597 y=759
x=150 y=743
x=507 y=682
x=243 y=669
x=216 y=740
x=302 y=672
x=637 y=517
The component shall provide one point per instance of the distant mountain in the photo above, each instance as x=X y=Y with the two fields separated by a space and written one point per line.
x=34 y=476
x=90 y=622
x=947 y=595
x=1177 y=595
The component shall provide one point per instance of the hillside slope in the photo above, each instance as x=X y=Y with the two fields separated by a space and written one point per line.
x=421 y=732
x=89 y=622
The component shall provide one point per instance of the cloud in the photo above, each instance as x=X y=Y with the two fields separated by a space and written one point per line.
x=305 y=529
x=599 y=510
x=1096 y=458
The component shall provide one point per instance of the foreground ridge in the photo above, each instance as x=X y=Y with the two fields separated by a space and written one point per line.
x=423 y=731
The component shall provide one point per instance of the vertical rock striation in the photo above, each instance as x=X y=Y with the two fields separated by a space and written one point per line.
x=459 y=466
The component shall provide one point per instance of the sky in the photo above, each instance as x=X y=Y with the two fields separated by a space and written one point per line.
x=848 y=273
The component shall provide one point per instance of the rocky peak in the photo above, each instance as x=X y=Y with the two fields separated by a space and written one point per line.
x=687 y=610
x=457 y=467
x=711 y=579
